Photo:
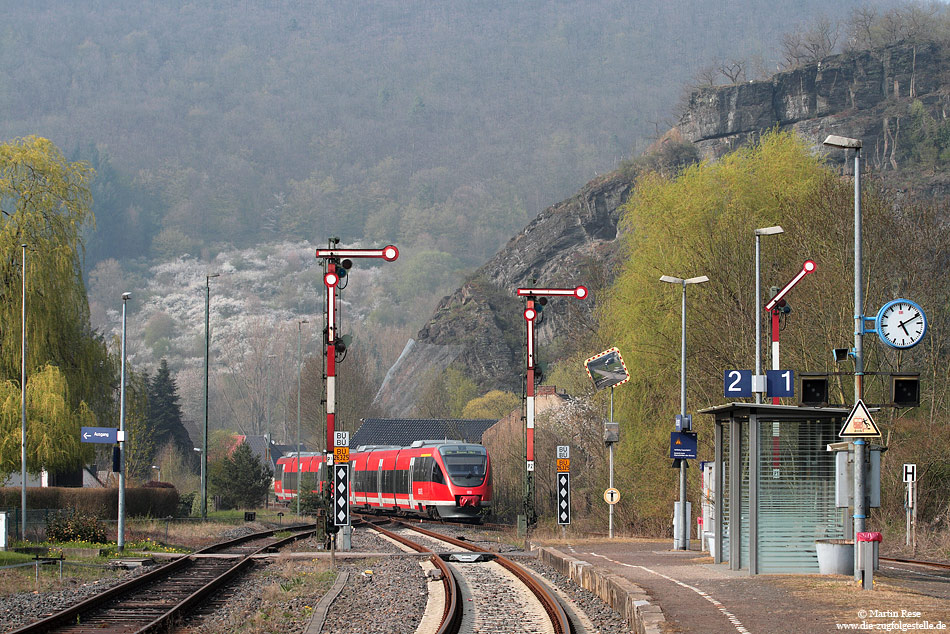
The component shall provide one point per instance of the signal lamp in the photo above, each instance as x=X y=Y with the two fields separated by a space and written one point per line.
x=905 y=391
x=347 y=264
x=814 y=390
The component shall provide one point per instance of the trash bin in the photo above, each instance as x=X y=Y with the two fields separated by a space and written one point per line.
x=249 y=516
x=875 y=539
x=835 y=556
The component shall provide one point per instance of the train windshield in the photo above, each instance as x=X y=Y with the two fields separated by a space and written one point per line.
x=466 y=464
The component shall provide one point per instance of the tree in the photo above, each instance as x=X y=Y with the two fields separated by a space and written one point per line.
x=164 y=411
x=44 y=204
x=241 y=478
x=493 y=404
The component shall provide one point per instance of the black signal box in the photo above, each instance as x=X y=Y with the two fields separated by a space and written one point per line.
x=905 y=391
x=814 y=390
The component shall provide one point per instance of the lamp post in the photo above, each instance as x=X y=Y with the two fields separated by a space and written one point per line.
x=860 y=508
x=766 y=231
x=204 y=441
x=23 y=402
x=120 y=538
x=299 y=323
x=267 y=459
x=684 y=518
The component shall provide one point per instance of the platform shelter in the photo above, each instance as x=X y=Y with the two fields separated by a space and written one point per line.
x=775 y=490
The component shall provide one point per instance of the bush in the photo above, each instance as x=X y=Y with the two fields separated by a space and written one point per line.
x=73 y=526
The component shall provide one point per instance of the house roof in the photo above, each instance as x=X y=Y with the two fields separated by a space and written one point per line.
x=403 y=431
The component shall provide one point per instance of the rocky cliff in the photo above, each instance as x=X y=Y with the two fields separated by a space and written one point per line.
x=865 y=94
x=479 y=328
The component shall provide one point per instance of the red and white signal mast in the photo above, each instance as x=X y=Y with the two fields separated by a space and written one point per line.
x=536 y=299
x=338 y=262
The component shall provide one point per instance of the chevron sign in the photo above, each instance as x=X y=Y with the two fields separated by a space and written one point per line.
x=341 y=492
x=564 y=498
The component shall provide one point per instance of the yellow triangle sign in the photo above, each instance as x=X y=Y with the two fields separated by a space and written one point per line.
x=859 y=423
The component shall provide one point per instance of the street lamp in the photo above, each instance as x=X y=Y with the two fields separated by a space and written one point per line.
x=23 y=401
x=684 y=519
x=159 y=469
x=766 y=231
x=120 y=539
x=860 y=509
x=204 y=442
x=299 y=323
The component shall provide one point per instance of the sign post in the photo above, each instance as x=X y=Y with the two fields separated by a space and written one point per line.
x=608 y=369
x=535 y=299
x=910 y=478
x=563 y=485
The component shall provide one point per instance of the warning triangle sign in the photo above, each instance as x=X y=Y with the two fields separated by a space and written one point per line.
x=859 y=423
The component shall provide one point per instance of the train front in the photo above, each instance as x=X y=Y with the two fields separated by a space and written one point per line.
x=469 y=472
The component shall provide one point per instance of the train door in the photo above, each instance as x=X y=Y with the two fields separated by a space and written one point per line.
x=379 y=483
x=412 y=483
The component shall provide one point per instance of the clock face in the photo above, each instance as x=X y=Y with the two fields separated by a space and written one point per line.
x=901 y=323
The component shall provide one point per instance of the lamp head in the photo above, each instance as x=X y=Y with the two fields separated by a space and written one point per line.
x=844 y=142
x=126 y=296
x=769 y=231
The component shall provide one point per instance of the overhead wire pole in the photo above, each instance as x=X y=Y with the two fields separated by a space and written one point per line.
x=531 y=313
x=204 y=438
x=299 y=323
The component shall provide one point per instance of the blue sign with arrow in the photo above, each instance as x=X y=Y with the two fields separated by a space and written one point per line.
x=99 y=434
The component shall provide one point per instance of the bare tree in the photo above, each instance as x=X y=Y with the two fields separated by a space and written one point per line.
x=734 y=70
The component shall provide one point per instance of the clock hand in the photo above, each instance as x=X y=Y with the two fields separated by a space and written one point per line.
x=901 y=324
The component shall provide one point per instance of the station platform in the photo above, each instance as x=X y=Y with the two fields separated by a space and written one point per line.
x=696 y=595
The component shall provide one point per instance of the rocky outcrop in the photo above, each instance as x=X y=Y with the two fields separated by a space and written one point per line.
x=480 y=328
x=861 y=95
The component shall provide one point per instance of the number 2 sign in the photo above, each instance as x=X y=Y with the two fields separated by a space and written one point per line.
x=737 y=383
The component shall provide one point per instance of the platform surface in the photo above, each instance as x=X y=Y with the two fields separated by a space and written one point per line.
x=697 y=595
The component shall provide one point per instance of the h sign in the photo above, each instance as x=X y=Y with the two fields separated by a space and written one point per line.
x=910 y=472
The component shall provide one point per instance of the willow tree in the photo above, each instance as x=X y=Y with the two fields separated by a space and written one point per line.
x=44 y=204
x=701 y=222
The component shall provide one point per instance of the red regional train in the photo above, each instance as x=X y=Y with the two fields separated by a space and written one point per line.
x=438 y=478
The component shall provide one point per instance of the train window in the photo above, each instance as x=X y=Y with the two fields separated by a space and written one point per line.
x=467 y=465
x=437 y=477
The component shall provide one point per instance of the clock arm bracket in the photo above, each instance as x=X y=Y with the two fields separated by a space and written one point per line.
x=868 y=325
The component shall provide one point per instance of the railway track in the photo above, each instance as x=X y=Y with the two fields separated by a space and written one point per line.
x=155 y=601
x=484 y=591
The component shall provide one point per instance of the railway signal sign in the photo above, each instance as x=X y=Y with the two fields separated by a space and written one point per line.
x=564 y=498
x=859 y=423
x=611 y=496
x=341 y=494
x=535 y=299
x=910 y=472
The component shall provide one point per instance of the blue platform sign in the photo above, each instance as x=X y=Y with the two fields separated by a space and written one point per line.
x=683 y=444
x=737 y=383
x=779 y=383
x=99 y=434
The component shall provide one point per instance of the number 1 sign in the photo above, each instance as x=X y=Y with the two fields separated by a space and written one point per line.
x=779 y=383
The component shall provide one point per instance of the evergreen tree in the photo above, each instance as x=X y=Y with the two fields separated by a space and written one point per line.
x=164 y=411
x=241 y=479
